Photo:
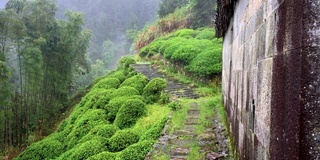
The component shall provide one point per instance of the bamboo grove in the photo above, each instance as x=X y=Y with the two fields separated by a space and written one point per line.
x=39 y=58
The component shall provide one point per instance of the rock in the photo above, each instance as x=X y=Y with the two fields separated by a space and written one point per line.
x=212 y=156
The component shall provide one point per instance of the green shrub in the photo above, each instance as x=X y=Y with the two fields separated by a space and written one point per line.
x=101 y=132
x=84 y=123
x=136 y=151
x=104 y=156
x=207 y=63
x=207 y=33
x=122 y=139
x=174 y=105
x=153 y=89
x=96 y=98
x=119 y=75
x=125 y=91
x=129 y=113
x=155 y=131
x=124 y=62
x=45 y=149
x=138 y=82
x=144 y=51
x=186 y=33
x=84 y=150
x=115 y=104
x=164 y=98
x=91 y=136
x=107 y=83
x=185 y=53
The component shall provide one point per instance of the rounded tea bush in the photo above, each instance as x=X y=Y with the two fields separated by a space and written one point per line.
x=129 y=113
x=104 y=156
x=122 y=139
x=125 y=91
x=138 y=82
x=136 y=151
x=125 y=62
x=119 y=75
x=107 y=83
x=153 y=90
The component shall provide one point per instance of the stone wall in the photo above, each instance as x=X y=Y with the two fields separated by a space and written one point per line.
x=271 y=78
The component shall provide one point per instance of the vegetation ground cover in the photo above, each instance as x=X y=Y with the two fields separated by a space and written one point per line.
x=111 y=122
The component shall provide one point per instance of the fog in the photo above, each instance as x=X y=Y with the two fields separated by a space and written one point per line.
x=3 y=3
x=109 y=20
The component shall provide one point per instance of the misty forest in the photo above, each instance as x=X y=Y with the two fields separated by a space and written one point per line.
x=72 y=84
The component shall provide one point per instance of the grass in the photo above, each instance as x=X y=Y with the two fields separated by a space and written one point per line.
x=179 y=116
x=155 y=113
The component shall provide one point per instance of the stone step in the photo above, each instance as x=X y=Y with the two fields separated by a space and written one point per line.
x=192 y=121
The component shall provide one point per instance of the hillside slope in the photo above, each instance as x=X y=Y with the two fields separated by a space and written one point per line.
x=118 y=119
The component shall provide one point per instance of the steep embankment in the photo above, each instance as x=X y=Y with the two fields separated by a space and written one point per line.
x=118 y=119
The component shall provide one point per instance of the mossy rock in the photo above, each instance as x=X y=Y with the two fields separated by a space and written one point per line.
x=122 y=139
x=138 y=82
x=129 y=113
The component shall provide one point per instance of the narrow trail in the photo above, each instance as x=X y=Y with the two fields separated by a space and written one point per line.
x=174 y=87
x=185 y=143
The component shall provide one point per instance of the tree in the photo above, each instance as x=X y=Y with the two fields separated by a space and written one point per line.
x=169 y=6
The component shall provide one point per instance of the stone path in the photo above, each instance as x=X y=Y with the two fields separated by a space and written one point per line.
x=211 y=144
x=174 y=87
x=177 y=145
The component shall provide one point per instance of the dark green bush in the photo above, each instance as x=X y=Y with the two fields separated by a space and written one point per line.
x=124 y=62
x=122 y=139
x=104 y=156
x=84 y=150
x=107 y=83
x=153 y=89
x=155 y=131
x=101 y=132
x=96 y=98
x=138 y=82
x=115 y=104
x=174 y=105
x=207 y=63
x=129 y=113
x=136 y=151
x=125 y=91
x=186 y=33
x=119 y=75
x=84 y=123
x=45 y=149
x=164 y=98
x=207 y=33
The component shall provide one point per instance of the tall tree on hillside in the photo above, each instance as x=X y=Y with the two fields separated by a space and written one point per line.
x=45 y=54
x=169 y=6
x=204 y=12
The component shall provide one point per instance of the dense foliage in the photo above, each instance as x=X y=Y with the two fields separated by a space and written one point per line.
x=169 y=6
x=39 y=59
x=196 y=51
x=122 y=127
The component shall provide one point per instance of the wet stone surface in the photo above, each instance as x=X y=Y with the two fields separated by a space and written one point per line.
x=177 y=145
